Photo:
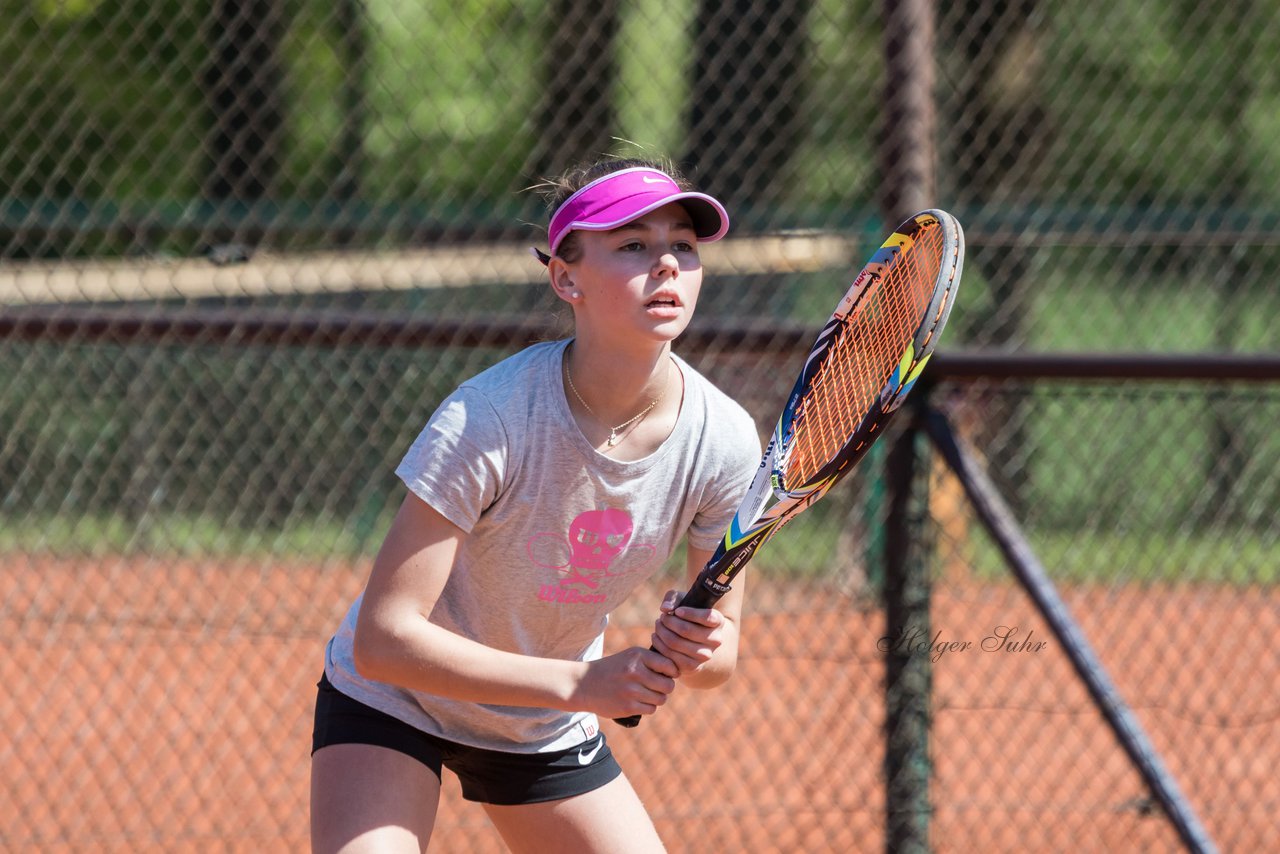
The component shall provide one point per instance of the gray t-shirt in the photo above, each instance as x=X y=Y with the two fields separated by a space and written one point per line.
x=558 y=533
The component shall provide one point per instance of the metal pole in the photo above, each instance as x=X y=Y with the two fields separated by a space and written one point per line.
x=907 y=157
x=907 y=141
x=999 y=522
x=908 y=671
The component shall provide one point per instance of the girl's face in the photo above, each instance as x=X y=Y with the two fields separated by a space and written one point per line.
x=639 y=281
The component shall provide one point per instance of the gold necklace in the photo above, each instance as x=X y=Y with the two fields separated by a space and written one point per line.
x=614 y=438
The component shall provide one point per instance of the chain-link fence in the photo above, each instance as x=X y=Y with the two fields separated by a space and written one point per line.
x=247 y=246
x=1164 y=555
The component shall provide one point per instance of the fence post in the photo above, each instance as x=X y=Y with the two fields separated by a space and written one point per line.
x=908 y=669
x=908 y=129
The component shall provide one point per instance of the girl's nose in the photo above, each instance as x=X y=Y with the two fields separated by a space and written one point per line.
x=666 y=264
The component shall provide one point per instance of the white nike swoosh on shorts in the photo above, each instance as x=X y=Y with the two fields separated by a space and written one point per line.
x=585 y=758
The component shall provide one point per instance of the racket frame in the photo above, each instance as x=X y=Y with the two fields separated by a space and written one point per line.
x=752 y=525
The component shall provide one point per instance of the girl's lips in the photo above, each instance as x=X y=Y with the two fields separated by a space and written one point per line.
x=664 y=309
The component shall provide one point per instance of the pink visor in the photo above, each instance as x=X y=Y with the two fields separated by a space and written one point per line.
x=620 y=197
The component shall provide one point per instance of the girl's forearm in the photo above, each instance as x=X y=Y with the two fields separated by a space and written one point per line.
x=417 y=654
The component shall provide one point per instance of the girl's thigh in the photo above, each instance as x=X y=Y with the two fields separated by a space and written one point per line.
x=366 y=798
x=609 y=819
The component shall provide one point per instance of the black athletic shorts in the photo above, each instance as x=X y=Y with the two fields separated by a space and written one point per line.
x=488 y=776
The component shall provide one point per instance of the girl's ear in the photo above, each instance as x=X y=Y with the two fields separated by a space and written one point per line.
x=562 y=281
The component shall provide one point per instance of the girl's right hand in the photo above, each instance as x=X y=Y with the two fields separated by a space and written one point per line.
x=635 y=681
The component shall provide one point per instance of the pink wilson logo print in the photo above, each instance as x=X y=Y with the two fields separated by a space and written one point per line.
x=585 y=557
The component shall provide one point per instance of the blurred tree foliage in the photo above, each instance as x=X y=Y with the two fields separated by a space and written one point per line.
x=105 y=123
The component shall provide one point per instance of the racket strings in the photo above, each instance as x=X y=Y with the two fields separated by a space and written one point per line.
x=866 y=350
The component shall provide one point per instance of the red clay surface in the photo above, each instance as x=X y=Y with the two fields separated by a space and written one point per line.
x=150 y=706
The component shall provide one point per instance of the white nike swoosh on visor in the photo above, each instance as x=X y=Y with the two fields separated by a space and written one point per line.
x=585 y=758
x=649 y=180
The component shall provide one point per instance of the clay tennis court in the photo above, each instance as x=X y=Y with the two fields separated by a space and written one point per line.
x=156 y=706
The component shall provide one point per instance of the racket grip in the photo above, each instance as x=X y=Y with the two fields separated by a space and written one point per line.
x=697 y=597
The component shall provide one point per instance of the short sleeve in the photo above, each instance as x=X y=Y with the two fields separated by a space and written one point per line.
x=458 y=462
x=738 y=455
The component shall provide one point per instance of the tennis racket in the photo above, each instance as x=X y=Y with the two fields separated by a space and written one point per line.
x=858 y=372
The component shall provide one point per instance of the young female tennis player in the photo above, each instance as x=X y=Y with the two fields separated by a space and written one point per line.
x=541 y=494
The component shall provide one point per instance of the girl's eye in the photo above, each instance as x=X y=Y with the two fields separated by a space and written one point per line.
x=684 y=247
x=632 y=246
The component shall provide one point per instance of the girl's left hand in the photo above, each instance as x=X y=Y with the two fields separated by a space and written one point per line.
x=688 y=637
